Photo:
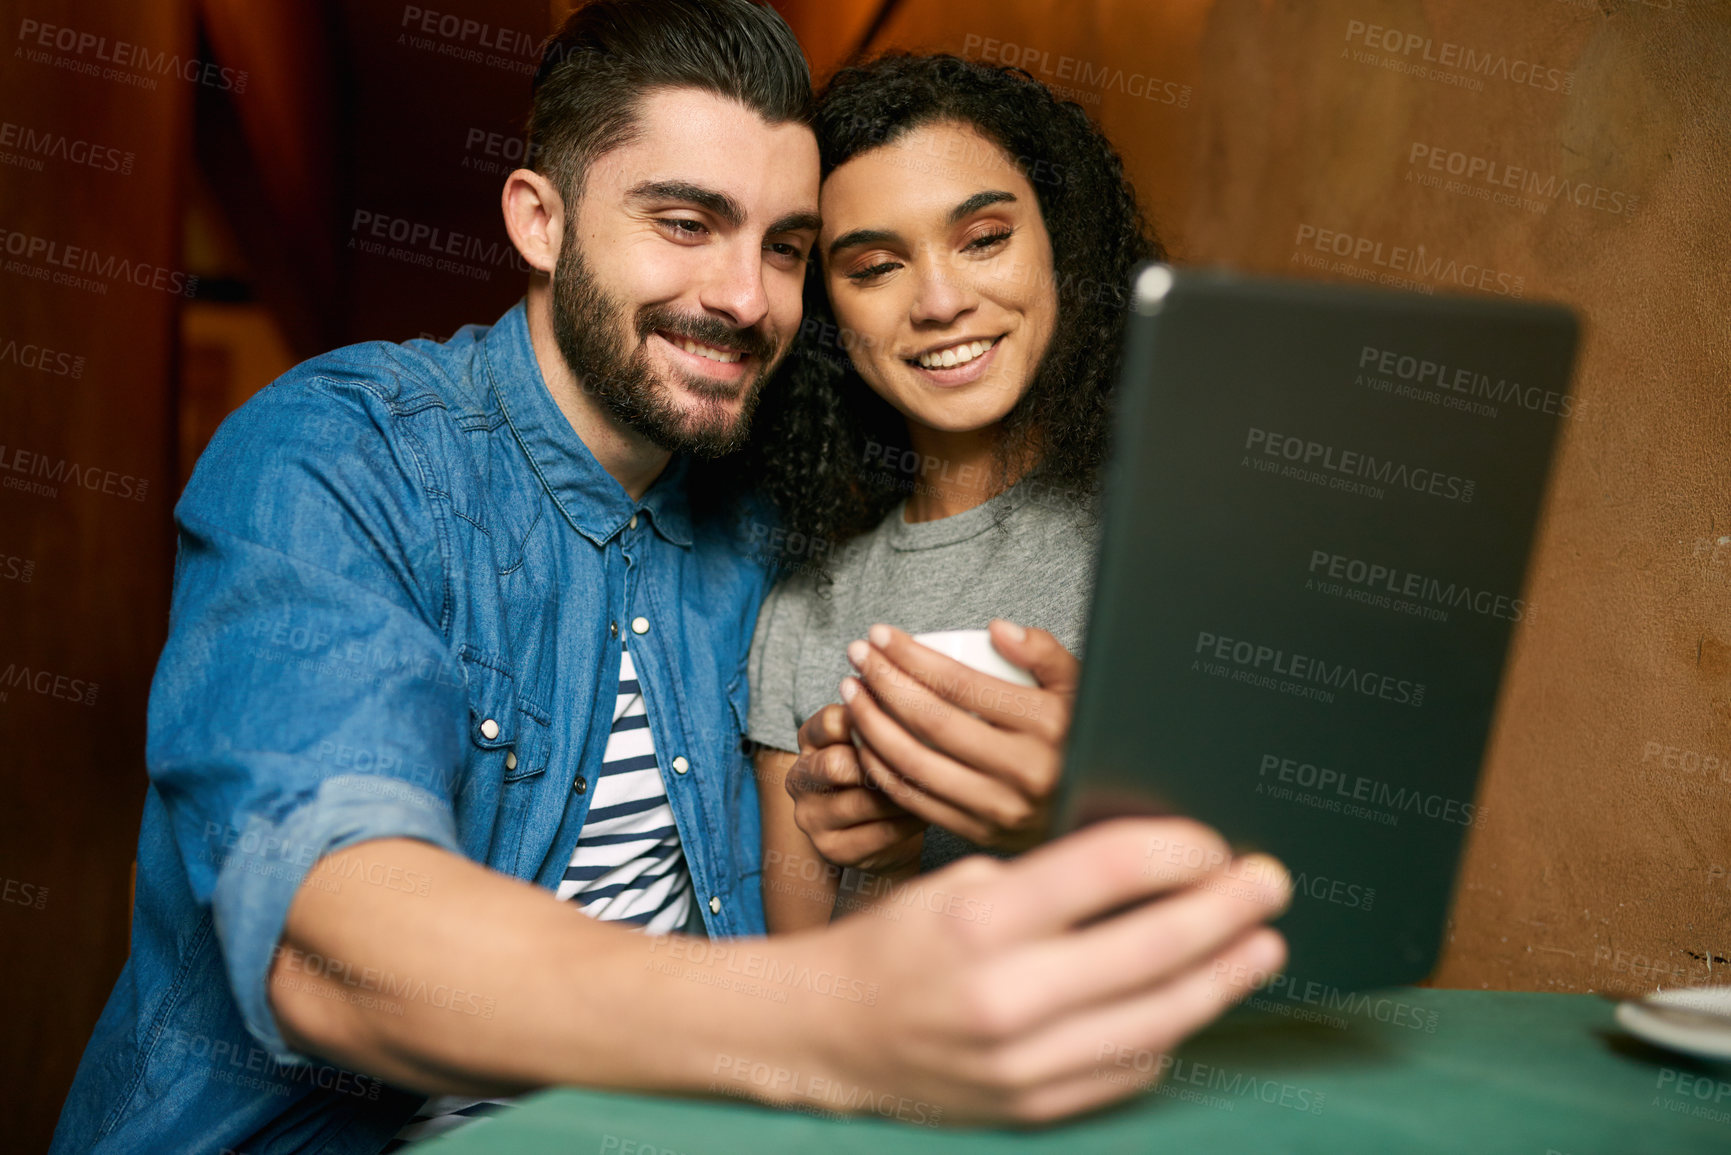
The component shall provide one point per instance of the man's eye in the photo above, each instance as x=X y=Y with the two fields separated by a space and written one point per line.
x=783 y=249
x=684 y=226
x=873 y=272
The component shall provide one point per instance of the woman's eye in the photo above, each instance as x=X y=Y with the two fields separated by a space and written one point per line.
x=988 y=240
x=873 y=271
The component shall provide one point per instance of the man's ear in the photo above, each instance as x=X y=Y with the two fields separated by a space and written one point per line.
x=534 y=218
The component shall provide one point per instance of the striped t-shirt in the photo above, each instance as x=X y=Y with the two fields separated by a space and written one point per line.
x=628 y=867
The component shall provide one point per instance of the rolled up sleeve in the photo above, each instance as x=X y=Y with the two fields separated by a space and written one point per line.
x=255 y=888
x=306 y=699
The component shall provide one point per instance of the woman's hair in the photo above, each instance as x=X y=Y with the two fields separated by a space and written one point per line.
x=832 y=455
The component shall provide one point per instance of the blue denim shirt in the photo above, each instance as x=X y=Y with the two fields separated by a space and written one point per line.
x=399 y=596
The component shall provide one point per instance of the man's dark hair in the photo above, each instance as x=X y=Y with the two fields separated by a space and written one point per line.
x=610 y=54
x=826 y=449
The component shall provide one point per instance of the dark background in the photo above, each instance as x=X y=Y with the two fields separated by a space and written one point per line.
x=1605 y=858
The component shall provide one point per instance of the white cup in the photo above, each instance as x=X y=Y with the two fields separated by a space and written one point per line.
x=974 y=649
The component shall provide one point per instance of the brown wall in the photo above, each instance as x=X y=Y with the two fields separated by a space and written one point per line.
x=87 y=624
x=1604 y=861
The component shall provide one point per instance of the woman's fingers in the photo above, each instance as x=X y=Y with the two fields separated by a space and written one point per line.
x=830 y=791
x=875 y=845
x=941 y=749
x=827 y=727
x=850 y=807
x=914 y=800
x=933 y=680
x=978 y=805
x=1039 y=653
x=825 y=769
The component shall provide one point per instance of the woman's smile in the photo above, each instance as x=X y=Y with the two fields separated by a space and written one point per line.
x=957 y=362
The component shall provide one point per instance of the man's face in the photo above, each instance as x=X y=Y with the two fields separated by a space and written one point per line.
x=678 y=283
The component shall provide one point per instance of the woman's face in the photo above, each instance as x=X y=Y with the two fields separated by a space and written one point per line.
x=939 y=269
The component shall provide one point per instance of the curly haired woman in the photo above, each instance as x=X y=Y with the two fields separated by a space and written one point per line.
x=932 y=448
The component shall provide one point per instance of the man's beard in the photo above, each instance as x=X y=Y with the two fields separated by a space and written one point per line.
x=589 y=326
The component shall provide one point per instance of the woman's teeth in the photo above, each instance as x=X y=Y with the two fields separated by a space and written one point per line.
x=954 y=355
x=725 y=356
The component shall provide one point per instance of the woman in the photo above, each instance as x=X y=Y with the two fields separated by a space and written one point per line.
x=932 y=448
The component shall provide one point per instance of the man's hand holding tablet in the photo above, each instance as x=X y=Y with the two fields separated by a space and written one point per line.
x=1005 y=980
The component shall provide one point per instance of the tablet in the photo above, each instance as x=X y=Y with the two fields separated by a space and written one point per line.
x=1318 y=517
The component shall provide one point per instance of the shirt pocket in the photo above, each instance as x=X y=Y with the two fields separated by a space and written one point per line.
x=507 y=763
x=508 y=729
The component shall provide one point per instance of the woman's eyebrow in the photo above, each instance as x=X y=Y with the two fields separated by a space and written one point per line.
x=979 y=201
x=973 y=204
x=858 y=237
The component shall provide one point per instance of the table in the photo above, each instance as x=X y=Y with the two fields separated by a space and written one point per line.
x=1399 y=1071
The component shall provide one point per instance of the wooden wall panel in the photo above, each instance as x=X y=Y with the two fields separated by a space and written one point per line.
x=1605 y=858
x=91 y=158
x=434 y=120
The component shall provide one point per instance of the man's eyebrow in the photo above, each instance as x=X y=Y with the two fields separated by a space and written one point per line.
x=858 y=237
x=796 y=222
x=979 y=201
x=718 y=204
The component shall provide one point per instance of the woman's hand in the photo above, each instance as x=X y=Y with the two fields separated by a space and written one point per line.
x=849 y=821
x=960 y=749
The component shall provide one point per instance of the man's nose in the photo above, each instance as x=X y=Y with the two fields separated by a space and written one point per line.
x=735 y=287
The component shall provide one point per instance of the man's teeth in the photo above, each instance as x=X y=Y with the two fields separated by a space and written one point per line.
x=954 y=355
x=725 y=356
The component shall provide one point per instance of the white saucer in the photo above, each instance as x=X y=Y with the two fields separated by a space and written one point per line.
x=1680 y=1020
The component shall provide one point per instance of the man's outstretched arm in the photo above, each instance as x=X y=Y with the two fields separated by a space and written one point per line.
x=994 y=1003
x=485 y=984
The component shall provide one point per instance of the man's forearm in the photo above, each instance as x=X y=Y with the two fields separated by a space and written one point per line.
x=485 y=984
x=476 y=982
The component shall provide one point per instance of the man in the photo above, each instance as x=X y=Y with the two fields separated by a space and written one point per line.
x=453 y=629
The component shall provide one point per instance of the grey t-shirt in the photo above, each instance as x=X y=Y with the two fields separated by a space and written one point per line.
x=1025 y=555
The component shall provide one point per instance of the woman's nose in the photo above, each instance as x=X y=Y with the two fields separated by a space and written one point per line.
x=942 y=295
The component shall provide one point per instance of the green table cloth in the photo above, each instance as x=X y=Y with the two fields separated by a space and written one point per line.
x=1398 y=1071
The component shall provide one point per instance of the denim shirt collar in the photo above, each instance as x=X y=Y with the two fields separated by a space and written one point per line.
x=592 y=500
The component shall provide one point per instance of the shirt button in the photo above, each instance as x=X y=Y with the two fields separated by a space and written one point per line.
x=579 y=786
x=489 y=729
x=714 y=906
x=613 y=629
x=640 y=625
x=633 y=521
x=680 y=765
x=510 y=759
